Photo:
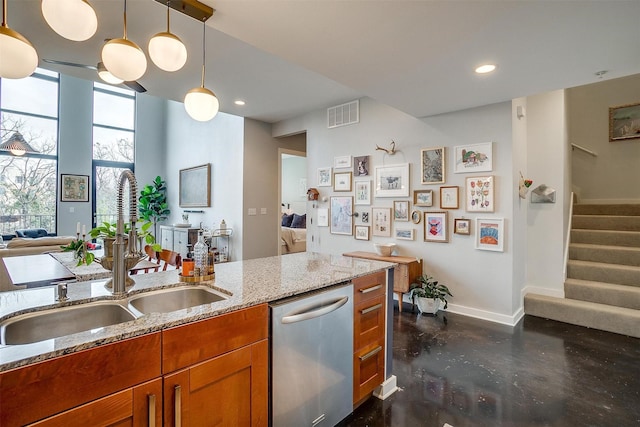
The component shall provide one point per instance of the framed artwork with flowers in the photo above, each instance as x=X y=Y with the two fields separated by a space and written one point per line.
x=479 y=194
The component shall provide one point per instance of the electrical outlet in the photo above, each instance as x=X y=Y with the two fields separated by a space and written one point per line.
x=263 y=211
x=252 y=211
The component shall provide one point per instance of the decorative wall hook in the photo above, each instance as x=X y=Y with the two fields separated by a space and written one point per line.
x=390 y=151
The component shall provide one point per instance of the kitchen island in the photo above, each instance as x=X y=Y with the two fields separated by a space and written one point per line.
x=247 y=285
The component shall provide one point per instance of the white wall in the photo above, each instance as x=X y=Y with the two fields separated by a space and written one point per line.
x=481 y=281
x=612 y=176
x=220 y=142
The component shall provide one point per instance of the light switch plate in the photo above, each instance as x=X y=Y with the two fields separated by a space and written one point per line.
x=263 y=211
x=252 y=211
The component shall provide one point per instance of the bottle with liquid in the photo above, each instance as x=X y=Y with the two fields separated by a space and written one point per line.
x=201 y=255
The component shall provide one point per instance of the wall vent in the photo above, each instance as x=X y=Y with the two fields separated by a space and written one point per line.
x=342 y=115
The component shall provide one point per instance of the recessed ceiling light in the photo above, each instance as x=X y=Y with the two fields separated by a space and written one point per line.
x=487 y=68
x=239 y=102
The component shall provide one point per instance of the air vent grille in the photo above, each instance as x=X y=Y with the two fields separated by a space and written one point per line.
x=342 y=115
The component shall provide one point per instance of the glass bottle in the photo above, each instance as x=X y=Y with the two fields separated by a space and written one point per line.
x=201 y=255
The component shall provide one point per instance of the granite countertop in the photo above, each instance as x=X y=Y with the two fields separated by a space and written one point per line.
x=246 y=283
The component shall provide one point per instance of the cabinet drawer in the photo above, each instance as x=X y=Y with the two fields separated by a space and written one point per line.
x=186 y=345
x=369 y=323
x=368 y=370
x=369 y=286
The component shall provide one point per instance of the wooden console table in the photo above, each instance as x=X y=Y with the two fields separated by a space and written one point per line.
x=408 y=270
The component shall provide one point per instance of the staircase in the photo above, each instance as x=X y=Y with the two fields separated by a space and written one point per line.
x=602 y=290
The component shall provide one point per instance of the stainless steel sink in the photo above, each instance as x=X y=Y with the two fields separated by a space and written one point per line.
x=58 y=322
x=172 y=299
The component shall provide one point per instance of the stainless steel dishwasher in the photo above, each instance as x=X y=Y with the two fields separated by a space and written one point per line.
x=312 y=358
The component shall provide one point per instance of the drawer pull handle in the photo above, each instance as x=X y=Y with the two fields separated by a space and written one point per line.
x=177 y=416
x=152 y=410
x=371 y=289
x=370 y=354
x=370 y=309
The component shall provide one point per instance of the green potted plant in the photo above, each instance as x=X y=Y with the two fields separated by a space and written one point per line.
x=152 y=203
x=427 y=293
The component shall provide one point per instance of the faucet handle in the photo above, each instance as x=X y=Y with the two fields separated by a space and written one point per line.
x=62 y=292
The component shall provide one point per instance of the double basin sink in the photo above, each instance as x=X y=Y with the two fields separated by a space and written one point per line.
x=58 y=322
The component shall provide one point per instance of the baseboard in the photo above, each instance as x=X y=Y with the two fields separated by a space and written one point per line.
x=608 y=201
x=387 y=388
x=487 y=315
x=558 y=293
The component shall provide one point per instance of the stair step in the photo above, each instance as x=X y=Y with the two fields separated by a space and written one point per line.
x=617 y=209
x=603 y=293
x=606 y=237
x=603 y=253
x=605 y=317
x=606 y=222
x=602 y=272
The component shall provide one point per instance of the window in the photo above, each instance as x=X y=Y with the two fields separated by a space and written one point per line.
x=28 y=187
x=113 y=147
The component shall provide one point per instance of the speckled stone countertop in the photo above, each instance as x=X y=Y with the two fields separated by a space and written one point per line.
x=245 y=283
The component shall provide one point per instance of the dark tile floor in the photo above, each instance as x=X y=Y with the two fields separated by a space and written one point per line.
x=468 y=372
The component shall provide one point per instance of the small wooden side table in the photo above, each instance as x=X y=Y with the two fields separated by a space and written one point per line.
x=408 y=270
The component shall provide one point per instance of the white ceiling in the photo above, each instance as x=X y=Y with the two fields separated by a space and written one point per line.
x=288 y=57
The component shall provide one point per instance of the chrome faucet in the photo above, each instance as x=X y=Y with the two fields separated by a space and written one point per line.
x=123 y=260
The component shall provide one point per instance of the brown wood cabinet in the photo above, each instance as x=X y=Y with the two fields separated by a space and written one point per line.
x=223 y=370
x=368 y=334
x=407 y=271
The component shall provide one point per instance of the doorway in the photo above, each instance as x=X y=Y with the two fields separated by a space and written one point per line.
x=292 y=200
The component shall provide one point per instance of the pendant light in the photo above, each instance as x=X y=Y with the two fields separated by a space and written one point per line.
x=72 y=19
x=17 y=145
x=166 y=50
x=123 y=58
x=201 y=103
x=18 y=58
x=106 y=76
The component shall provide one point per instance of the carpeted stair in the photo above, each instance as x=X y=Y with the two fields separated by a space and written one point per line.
x=602 y=290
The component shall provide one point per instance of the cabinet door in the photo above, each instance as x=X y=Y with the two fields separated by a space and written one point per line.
x=231 y=389
x=368 y=370
x=180 y=240
x=166 y=237
x=136 y=407
x=368 y=325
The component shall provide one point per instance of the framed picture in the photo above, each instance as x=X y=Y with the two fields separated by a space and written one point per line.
x=404 y=233
x=324 y=177
x=323 y=217
x=449 y=197
x=416 y=216
x=423 y=198
x=342 y=181
x=365 y=217
x=624 y=122
x=490 y=234
x=195 y=187
x=435 y=227
x=401 y=210
x=381 y=221
x=342 y=215
x=462 y=226
x=473 y=158
x=479 y=194
x=361 y=166
x=74 y=188
x=362 y=232
x=362 y=191
x=392 y=180
x=432 y=160
x=342 y=162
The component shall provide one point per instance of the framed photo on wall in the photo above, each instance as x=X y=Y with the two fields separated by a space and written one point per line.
x=433 y=165
x=473 y=158
x=324 y=177
x=362 y=232
x=341 y=215
x=436 y=227
x=462 y=226
x=361 y=166
x=624 y=122
x=381 y=218
x=490 y=234
x=449 y=197
x=74 y=188
x=342 y=181
x=423 y=198
x=362 y=191
x=479 y=194
x=392 y=180
x=401 y=210
x=195 y=187
x=404 y=233
x=341 y=162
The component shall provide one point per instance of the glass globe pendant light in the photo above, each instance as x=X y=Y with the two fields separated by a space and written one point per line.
x=166 y=50
x=106 y=76
x=201 y=103
x=18 y=58
x=72 y=19
x=123 y=58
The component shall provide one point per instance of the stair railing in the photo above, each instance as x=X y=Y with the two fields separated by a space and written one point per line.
x=568 y=239
x=586 y=150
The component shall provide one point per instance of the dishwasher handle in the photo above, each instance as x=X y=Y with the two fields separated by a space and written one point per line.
x=315 y=311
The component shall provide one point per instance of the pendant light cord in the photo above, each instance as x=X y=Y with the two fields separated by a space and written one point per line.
x=168 y=4
x=204 y=30
x=125 y=19
x=4 y=13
